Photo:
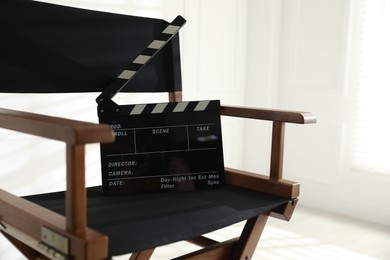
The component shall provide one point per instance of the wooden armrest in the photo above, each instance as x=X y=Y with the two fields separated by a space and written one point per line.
x=279 y=118
x=70 y=131
x=268 y=114
x=261 y=183
x=76 y=135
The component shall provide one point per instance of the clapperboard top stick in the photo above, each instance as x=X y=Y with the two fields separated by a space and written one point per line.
x=105 y=98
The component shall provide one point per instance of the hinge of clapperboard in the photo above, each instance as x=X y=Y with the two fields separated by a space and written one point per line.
x=104 y=100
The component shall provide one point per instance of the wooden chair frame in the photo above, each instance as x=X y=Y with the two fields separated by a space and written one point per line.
x=22 y=221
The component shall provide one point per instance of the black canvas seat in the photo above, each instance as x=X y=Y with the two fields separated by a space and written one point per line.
x=138 y=222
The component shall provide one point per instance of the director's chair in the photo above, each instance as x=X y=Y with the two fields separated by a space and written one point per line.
x=48 y=48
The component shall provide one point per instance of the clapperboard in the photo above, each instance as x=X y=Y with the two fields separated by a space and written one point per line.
x=164 y=147
x=175 y=146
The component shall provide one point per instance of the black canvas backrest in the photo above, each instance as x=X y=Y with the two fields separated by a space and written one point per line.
x=46 y=48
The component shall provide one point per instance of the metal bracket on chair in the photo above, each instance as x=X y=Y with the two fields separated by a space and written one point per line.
x=56 y=245
x=53 y=245
x=52 y=252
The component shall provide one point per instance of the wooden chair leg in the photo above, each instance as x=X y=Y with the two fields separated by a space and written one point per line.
x=202 y=241
x=250 y=237
x=142 y=255
x=241 y=248
x=218 y=251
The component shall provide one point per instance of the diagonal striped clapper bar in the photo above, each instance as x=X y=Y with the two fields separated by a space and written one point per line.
x=141 y=60
x=171 y=107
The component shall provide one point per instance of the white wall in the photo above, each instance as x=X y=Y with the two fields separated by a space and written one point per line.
x=315 y=76
x=300 y=57
x=262 y=78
